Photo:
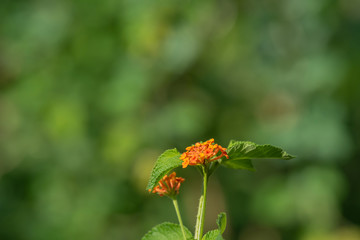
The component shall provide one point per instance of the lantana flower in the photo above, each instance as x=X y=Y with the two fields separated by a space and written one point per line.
x=202 y=153
x=168 y=185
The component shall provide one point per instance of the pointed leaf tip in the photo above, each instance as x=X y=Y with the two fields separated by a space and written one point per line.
x=166 y=162
x=242 y=152
x=221 y=222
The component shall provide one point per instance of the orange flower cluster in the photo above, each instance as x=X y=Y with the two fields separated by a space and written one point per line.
x=168 y=185
x=202 y=153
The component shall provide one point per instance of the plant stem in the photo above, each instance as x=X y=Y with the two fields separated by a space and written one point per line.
x=179 y=217
x=201 y=211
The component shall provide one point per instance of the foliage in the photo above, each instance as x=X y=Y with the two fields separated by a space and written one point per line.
x=167 y=161
x=91 y=92
x=166 y=231
x=204 y=156
x=217 y=233
x=241 y=153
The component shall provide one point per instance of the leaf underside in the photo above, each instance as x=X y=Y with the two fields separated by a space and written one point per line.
x=167 y=161
x=166 y=231
x=242 y=152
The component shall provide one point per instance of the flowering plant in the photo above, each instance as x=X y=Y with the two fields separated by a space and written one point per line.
x=207 y=157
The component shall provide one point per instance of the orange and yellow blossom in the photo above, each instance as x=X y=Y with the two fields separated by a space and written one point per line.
x=168 y=185
x=202 y=153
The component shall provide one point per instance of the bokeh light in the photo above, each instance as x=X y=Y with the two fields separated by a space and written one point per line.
x=91 y=92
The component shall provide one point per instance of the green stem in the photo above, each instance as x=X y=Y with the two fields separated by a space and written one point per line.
x=179 y=217
x=201 y=211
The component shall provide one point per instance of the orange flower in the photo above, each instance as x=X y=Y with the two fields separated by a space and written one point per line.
x=168 y=185
x=202 y=153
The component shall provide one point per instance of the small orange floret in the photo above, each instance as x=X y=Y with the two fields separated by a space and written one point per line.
x=202 y=153
x=168 y=185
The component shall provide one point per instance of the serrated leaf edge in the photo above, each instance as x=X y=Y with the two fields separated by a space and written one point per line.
x=152 y=230
x=151 y=184
x=233 y=142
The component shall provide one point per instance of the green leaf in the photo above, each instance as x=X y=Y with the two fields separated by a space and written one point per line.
x=213 y=235
x=241 y=153
x=250 y=150
x=239 y=164
x=166 y=231
x=221 y=222
x=167 y=161
x=216 y=234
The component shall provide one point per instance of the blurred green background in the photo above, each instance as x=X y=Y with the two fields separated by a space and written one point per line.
x=92 y=92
